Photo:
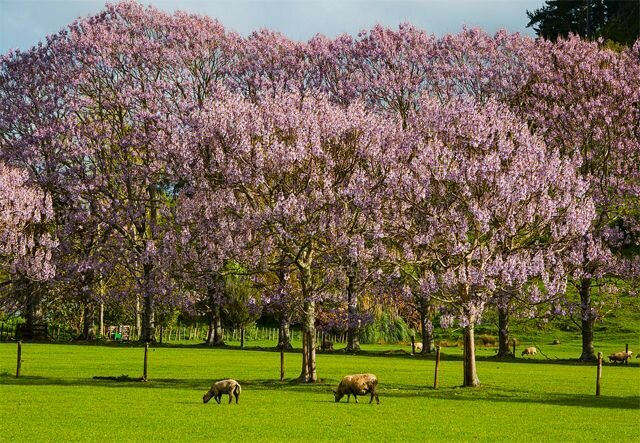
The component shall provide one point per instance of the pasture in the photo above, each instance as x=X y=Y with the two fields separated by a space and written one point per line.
x=56 y=398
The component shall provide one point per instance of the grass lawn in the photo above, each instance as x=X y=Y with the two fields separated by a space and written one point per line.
x=56 y=398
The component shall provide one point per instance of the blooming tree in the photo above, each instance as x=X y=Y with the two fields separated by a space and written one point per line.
x=479 y=193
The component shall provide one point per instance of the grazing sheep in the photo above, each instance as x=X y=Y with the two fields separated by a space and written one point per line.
x=358 y=384
x=418 y=347
x=327 y=346
x=228 y=386
x=531 y=350
x=621 y=357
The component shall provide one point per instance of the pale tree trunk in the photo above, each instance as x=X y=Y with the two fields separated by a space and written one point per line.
x=503 y=333
x=308 y=373
x=470 y=373
x=426 y=327
x=284 y=334
x=101 y=319
x=588 y=351
x=353 y=344
x=138 y=318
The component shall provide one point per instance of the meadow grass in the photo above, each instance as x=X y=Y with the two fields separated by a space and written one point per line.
x=539 y=399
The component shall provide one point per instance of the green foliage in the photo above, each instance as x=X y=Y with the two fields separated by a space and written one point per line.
x=386 y=329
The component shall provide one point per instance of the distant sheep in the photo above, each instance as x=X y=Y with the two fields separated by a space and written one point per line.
x=358 y=384
x=418 y=347
x=228 y=386
x=327 y=346
x=531 y=350
x=621 y=357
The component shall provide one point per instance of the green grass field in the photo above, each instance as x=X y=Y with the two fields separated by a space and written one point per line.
x=542 y=399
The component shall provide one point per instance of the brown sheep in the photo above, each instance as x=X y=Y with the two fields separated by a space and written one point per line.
x=228 y=386
x=327 y=346
x=531 y=350
x=358 y=384
x=621 y=357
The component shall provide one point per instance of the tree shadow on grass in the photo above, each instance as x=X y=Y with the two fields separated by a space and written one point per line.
x=516 y=396
x=323 y=387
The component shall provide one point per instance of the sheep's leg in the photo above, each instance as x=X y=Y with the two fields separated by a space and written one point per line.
x=356 y=397
x=230 y=396
x=218 y=397
x=348 y=397
x=372 y=394
x=237 y=395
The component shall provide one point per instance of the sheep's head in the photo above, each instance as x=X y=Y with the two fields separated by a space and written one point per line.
x=337 y=395
x=206 y=397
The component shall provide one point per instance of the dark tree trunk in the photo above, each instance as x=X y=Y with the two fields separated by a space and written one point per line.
x=32 y=308
x=88 y=330
x=148 y=308
x=588 y=352
x=503 y=333
x=214 y=334
x=284 y=335
x=353 y=344
x=470 y=373
x=426 y=327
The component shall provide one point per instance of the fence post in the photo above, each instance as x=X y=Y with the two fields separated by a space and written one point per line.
x=281 y=364
x=19 y=363
x=146 y=352
x=413 y=344
x=435 y=378
x=242 y=338
x=514 y=348
x=626 y=350
x=599 y=374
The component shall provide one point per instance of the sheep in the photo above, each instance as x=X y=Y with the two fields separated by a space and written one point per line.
x=327 y=346
x=228 y=386
x=531 y=350
x=357 y=384
x=418 y=347
x=621 y=357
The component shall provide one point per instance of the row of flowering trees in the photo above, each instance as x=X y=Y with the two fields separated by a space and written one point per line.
x=143 y=153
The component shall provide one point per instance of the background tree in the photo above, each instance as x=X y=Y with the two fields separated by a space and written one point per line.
x=615 y=20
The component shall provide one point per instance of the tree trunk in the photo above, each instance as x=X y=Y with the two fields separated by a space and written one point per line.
x=588 y=352
x=308 y=374
x=284 y=337
x=214 y=334
x=503 y=333
x=138 y=318
x=353 y=344
x=148 y=312
x=426 y=327
x=470 y=374
x=101 y=319
x=88 y=330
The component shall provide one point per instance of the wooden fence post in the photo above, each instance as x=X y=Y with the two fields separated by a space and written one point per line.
x=281 y=364
x=514 y=348
x=626 y=349
x=435 y=378
x=413 y=344
x=242 y=338
x=19 y=363
x=146 y=352
x=599 y=374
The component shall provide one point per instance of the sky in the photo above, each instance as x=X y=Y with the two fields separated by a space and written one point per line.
x=25 y=22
